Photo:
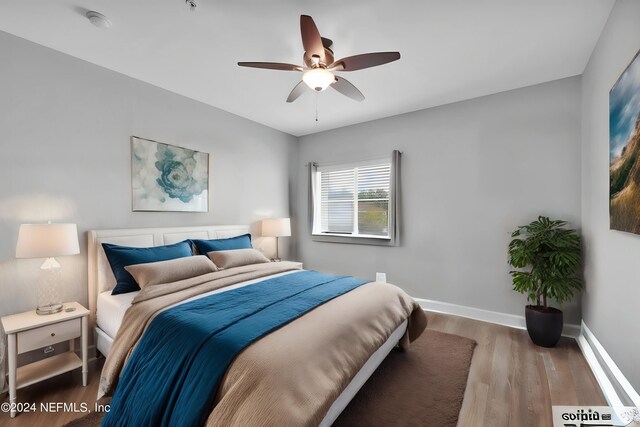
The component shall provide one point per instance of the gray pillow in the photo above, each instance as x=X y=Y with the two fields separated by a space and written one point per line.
x=237 y=257
x=155 y=273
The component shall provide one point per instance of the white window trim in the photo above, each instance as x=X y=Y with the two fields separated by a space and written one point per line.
x=353 y=236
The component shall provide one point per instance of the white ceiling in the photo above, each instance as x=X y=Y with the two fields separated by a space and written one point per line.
x=451 y=49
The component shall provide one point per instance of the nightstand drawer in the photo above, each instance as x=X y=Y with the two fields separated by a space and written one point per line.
x=48 y=335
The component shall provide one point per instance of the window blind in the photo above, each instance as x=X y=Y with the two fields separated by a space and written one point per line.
x=355 y=200
x=337 y=197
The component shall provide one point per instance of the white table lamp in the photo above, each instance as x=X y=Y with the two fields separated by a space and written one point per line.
x=48 y=241
x=276 y=227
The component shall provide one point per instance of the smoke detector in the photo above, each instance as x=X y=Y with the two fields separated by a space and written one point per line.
x=99 y=20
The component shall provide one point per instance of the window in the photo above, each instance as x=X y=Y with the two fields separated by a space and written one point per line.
x=353 y=203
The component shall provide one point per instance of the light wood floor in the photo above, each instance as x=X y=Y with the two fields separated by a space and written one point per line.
x=512 y=382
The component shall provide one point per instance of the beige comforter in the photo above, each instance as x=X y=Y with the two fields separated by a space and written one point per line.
x=293 y=375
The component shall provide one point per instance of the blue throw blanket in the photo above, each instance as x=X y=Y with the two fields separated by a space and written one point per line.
x=174 y=372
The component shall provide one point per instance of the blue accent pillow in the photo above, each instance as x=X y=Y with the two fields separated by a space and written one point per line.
x=121 y=256
x=238 y=242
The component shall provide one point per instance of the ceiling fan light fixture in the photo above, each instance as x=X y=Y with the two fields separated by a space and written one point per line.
x=319 y=63
x=318 y=79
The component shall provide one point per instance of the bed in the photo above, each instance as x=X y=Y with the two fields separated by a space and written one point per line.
x=108 y=311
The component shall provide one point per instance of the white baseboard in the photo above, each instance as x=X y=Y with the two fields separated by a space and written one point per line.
x=606 y=371
x=511 y=320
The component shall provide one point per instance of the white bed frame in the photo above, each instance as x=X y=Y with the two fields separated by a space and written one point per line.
x=101 y=279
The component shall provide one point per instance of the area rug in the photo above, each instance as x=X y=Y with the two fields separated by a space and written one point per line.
x=423 y=386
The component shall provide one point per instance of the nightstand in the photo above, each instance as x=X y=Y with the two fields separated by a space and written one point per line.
x=29 y=331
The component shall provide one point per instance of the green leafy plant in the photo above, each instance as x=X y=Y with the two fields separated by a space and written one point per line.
x=548 y=258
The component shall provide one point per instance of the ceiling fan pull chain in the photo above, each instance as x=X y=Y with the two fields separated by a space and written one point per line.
x=316 y=106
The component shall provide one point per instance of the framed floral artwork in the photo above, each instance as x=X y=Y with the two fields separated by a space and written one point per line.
x=166 y=177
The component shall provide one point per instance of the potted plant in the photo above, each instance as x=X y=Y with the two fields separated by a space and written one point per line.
x=548 y=258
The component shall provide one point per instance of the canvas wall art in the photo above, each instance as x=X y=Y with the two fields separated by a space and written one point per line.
x=168 y=178
x=624 y=150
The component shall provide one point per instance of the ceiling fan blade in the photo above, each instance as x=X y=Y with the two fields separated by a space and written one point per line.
x=271 y=66
x=311 y=39
x=298 y=90
x=343 y=86
x=366 y=60
x=327 y=43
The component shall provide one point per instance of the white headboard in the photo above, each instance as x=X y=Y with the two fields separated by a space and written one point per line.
x=100 y=275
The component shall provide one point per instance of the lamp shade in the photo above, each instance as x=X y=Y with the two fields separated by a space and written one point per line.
x=47 y=240
x=276 y=227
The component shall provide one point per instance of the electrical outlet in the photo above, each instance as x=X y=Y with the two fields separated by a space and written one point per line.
x=381 y=277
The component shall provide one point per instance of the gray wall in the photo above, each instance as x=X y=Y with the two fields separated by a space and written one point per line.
x=64 y=131
x=471 y=172
x=612 y=298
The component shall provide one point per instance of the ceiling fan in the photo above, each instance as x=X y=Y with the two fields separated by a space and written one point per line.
x=320 y=65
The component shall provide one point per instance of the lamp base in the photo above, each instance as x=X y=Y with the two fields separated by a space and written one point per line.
x=49 y=309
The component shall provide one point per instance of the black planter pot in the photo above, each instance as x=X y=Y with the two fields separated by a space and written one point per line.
x=544 y=325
